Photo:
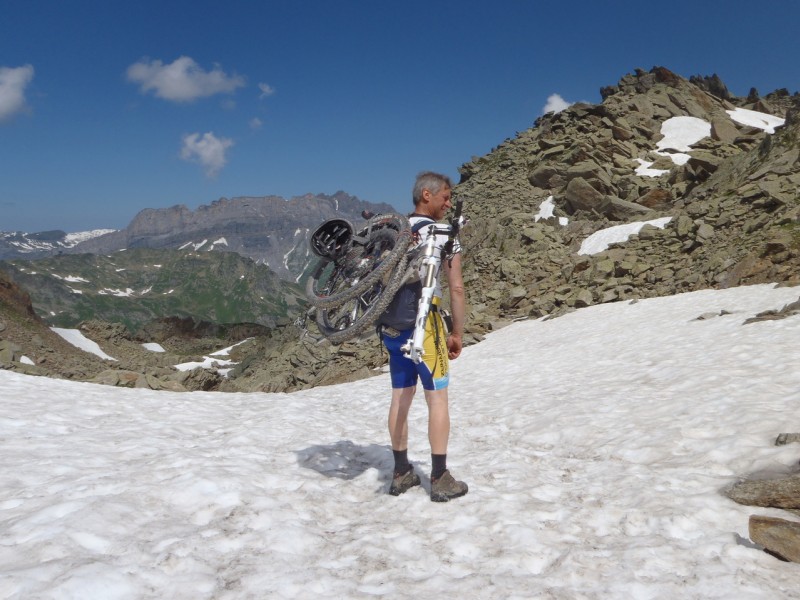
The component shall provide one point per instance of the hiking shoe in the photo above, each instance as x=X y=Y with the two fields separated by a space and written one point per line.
x=446 y=488
x=403 y=483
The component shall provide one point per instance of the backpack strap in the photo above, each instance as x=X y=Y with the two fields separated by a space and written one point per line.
x=422 y=223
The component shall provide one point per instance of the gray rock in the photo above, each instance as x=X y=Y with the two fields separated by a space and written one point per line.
x=9 y=352
x=542 y=175
x=776 y=493
x=622 y=210
x=787 y=438
x=580 y=195
x=705 y=232
x=723 y=130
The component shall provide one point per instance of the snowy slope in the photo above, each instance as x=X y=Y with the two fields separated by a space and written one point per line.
x=595 y=446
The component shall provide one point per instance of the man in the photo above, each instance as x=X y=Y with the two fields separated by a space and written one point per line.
x=432 y=200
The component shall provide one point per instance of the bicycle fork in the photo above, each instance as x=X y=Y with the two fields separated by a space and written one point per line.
x=413 y=348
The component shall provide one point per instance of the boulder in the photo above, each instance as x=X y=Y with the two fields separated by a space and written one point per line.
x=789 y=438
x=656 y=199
x=622 y=210
x=778 y=536
x=9 y=353
x=580 y=195
x=776 y=493
x=723 y=130
x=542 y=175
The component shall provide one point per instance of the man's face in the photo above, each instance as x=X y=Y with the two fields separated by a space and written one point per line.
x=439 y=203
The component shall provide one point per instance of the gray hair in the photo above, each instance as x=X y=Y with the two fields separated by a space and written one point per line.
x=433 y=182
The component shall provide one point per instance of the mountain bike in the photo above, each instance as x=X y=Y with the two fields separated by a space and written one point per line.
x=355 y=278
x=359 y=273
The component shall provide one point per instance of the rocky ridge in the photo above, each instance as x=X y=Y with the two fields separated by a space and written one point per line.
x=18 y=244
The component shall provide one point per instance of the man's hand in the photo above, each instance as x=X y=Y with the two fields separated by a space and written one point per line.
x=454 y=345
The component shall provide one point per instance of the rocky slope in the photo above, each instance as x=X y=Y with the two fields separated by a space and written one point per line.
x=29 y=346
x=733 y=205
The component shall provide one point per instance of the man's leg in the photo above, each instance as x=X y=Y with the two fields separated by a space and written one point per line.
x=403 y=477
x=443 y=486
x=438 y=420
x=398 y=416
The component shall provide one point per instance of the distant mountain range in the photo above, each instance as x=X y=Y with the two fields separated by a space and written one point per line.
x=269 y=229
x=134 y=287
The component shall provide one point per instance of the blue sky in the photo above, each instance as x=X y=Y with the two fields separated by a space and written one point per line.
x=107 y=107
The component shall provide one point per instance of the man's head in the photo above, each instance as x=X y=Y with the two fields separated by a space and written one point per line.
x=432 y=194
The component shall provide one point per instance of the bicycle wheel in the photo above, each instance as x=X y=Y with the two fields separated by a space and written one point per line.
x=374 y=252
x=350 y=319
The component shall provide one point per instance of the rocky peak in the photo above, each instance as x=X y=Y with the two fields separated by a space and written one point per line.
x=728 y=198
x=641 y=81
x=713 y=85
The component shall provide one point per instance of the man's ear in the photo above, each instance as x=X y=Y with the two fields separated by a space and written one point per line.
x=426 y=195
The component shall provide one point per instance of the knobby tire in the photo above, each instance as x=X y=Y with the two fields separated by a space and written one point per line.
x=338 y=325
x=333 y=284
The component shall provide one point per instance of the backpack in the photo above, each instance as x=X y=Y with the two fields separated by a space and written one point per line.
x=401 y=314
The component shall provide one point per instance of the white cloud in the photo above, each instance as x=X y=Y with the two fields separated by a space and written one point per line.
x=12 y=89
x=183 y=80
x=266 y=90
x=208 y=151
x=256 y=123
x=555 y=103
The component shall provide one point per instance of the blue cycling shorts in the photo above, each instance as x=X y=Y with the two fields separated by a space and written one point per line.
x=434 y=369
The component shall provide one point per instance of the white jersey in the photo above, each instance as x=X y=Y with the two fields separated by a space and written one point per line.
x=441 y=239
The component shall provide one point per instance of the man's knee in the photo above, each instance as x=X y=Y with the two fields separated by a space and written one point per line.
x=436 y=397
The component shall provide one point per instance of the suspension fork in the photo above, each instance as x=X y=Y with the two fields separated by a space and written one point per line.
x=431 y=262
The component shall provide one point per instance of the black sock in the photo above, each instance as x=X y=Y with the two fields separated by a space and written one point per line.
x=401 y=464
x=438 y=465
